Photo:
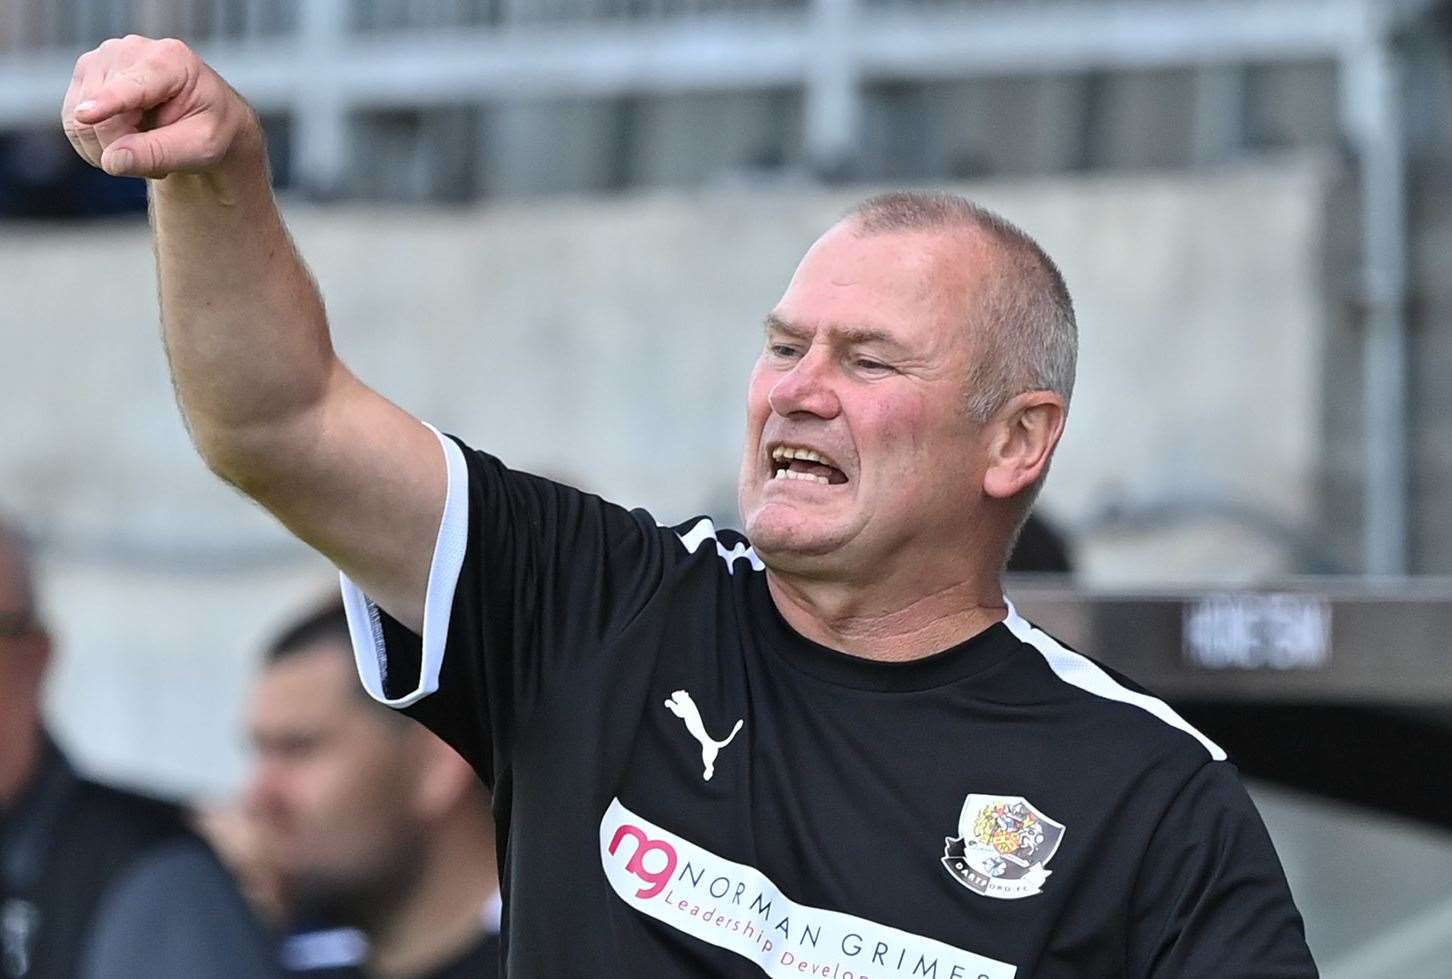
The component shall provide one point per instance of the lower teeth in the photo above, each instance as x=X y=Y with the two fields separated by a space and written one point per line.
x=789 y=474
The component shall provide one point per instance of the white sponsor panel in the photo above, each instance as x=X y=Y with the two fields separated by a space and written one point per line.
x=736 y=907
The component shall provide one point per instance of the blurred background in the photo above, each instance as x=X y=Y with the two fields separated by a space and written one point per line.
x=553 y=227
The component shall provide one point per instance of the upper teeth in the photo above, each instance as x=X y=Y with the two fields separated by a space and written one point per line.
x=790 y=452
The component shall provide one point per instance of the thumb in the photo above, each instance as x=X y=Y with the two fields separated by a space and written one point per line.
x=120 y=160
x=183 y=146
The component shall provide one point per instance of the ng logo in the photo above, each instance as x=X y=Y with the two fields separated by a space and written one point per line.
x=655 y=880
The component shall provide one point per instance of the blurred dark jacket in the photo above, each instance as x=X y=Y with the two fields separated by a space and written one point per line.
x=62 y=845
x=178 y=914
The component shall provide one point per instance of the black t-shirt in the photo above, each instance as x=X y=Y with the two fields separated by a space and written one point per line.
x=685 y=786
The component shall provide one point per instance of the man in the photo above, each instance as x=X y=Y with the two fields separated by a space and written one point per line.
x=71 y=849
x=834 y=750
x=368 y=820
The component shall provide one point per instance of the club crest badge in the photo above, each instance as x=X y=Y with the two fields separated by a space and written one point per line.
x=1003 y=846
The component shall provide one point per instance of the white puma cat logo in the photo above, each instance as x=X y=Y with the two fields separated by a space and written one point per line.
x=684 y=707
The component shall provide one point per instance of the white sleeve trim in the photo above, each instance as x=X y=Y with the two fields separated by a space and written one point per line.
x=369 y=650
x=1084 y=673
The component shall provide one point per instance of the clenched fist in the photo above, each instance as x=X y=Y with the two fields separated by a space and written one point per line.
x=139 y=107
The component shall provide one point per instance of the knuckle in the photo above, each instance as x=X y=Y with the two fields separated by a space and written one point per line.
x=170 y=56
x=156 y=157
x=147 y=157
x=174 y=55
x=212 y=146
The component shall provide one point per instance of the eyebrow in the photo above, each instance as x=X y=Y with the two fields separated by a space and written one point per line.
x=850 y=334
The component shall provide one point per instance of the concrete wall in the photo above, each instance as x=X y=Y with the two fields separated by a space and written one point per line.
x=1429 y=372
x=608 y=342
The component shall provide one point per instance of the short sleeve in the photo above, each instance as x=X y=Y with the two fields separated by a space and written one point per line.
x=529 y=577
x=1211 y=898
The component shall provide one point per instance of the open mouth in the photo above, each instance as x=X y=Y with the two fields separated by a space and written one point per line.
x=797 y=462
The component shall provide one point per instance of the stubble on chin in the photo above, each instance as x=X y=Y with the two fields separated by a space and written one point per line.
x=791 y=546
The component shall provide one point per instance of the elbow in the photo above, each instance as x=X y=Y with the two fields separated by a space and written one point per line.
x=262 y=451
x=240 y=461
x=255 y=458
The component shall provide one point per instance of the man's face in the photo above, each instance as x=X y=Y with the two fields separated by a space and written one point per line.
x=332 y=786
x=865 y=366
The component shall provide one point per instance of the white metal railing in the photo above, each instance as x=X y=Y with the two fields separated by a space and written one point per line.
x=320 y=60
x=44 y=25
x=28 y=26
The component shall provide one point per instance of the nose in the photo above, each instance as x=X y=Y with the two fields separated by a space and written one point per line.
x=807 y=387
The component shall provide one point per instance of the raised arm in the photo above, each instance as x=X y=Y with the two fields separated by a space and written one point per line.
x=269 y=405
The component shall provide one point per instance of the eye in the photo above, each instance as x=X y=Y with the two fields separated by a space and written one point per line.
x=784 y=350
x=869 y=366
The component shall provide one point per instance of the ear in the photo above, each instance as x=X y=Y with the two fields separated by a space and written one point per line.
x=1022 y=438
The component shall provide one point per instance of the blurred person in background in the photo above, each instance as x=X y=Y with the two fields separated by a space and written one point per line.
x=720 y=756
x=178 y=914
x=1040 y=549
x=367 y=822
x=78 y=859
x=235 y=836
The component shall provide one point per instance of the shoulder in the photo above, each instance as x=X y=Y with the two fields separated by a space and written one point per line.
x=176 y=887
x=716 y=548
x=176 y=871
x=1119 y=712
x=176 y=911
x=122 y=821
x=129 y=808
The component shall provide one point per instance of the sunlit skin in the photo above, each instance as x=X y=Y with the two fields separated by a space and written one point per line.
x=867 y=359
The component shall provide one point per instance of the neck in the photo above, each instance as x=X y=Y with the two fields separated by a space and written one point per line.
x=876 y=623
x=20 y=759
x=442 y=916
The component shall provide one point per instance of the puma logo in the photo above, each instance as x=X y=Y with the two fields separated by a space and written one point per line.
x=685 y=708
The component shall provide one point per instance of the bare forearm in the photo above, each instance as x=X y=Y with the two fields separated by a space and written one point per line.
x=244 y=326
x=270 y=407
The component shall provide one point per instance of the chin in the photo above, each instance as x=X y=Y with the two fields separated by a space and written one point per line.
x=787 y=543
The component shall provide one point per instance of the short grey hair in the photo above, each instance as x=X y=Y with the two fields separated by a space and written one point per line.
x=1029 y=335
